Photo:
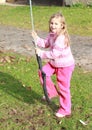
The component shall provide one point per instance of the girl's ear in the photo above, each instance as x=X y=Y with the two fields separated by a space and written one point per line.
x=61 y=26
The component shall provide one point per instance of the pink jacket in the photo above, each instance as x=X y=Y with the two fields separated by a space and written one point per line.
x=59 y=54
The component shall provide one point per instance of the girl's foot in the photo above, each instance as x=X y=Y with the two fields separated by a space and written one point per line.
x=44 y=98
x=59 y=115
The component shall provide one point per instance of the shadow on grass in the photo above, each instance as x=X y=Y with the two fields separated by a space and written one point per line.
x=14 y=87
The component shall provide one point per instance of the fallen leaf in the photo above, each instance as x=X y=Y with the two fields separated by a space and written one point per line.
x=82 y=122
x=27 y=47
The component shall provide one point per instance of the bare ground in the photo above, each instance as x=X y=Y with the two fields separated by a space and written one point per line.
x=19 y=40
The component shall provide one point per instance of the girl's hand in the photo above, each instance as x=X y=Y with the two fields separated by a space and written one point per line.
x=34 y=35
x=38 y=51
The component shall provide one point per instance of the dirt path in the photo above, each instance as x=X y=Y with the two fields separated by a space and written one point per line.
x=17 y=40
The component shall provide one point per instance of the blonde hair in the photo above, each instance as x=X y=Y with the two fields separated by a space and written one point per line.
x=64 y=26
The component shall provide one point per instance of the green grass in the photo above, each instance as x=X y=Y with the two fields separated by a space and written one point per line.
x=21 y=107
x=78 y=19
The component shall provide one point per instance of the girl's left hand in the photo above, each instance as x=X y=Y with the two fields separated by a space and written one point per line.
x=34 y=35
x=38 y=51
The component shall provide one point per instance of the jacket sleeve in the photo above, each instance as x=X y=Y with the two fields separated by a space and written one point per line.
x=56 y=50
x=44 y=43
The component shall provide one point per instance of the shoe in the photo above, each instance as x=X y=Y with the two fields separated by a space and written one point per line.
x=44 y=98
x=59 y=115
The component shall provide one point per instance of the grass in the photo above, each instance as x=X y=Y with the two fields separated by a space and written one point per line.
x=78 y=19
x=21 y=107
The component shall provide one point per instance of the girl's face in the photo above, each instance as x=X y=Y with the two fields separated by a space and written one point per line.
x=55 y=25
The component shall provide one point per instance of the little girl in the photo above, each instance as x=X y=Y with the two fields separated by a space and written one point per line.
x=61 y=62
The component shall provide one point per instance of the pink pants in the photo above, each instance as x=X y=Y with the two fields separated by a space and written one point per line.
x=63 y=76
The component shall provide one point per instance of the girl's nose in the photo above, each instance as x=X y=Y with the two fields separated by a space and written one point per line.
x=53 y=25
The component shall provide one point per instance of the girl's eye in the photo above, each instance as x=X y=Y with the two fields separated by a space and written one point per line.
x=51 y=23
x=56 y=24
